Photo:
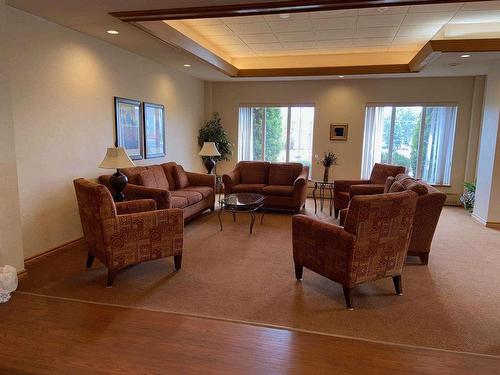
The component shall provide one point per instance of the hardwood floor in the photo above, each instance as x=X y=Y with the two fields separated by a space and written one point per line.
x=48 y=335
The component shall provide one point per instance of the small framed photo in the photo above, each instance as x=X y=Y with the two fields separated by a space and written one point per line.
x=129 y=129
x=338 y=132
x=154 y=130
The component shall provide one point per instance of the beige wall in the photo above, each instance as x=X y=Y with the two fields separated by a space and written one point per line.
x=11 y=248
x=344 y=101
x=63 y=84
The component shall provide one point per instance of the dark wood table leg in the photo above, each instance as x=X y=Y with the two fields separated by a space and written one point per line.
x=321 y=197
x=220 y=221
x=314 y=197
x=331 y=200
x=234 y=217
x=252 y=213
x=262 y=217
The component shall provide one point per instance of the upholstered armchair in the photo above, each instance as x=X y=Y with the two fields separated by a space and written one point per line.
x=372 y=244
x=126 y=233
x=375 y=185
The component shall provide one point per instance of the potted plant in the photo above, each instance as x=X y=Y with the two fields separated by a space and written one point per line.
x=329 y=159
x=468 y=196
x=213 y=131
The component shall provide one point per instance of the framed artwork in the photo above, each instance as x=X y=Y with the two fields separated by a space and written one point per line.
x=154 y=130
x=129 y=130
x=338 y=132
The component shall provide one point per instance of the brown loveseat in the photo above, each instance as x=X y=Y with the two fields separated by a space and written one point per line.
x=283 y=184
x=430 y=203
x=375 y=185
x=170 y=186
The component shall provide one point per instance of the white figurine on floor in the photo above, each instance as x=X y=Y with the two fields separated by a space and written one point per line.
x=8 y=282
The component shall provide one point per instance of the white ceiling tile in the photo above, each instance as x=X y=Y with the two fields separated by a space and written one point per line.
x=375 y=21
x=296 y=37
x=437 y=18
x=243 y=53
x=404 y=47
x=422 y=30
x=265 y=46
x=334 y=34
x=334 y=13
x=298 y=45
x=210 y=30
x=452 y=7
x=375 y=32
x=334 y=23
x=250 y=28
x=291 y=16
x=383 y=10
x=286 y=25
x=368 y=49
x=482 y=5
x=235 y=48
x=409 y=40
x=474 y=16
x=259 y=38
x=334 y=43
x=242 y=19
x=371 y=42
x=203 y=21
x=225 y=39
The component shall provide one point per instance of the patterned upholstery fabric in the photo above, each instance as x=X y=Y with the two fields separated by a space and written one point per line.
x=121 y=240
x=396 y=187
x=159 y=175
x=388 y=183
x=253 y=172
x=205 y=191
x=380 y=172
x=372 y=245
x=283 y=190
x=169 y=168
x=181 y=178
x=249 y=188
x=284 y=173
x=191 y=196
x=132 y=174
x=132 y=207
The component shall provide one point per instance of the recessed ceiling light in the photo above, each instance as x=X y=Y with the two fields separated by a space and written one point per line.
x=284 y=15
x=465 y=56
x=187 y=65
x=113 y=32
x=341 y=76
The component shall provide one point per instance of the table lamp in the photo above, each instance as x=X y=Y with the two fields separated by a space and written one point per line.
x=208 y=150
x=117 y=158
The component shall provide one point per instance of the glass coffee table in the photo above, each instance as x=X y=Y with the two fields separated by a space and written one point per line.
x=242 y=203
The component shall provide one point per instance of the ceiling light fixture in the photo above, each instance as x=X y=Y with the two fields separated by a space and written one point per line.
x=113 y=32
x=383 y=9
x=465 y=56
x=341 y=76
x=187 y=65
x=284 y=15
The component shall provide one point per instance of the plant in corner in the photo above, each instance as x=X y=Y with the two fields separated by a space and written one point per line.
x=213 y=131
x=468 y=196
x=329 y=159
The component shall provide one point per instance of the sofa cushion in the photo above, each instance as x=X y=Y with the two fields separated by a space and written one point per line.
x=156 y=173
x=178 y=202
x=380 y=172
x=418 y=188
x=282 y=190
x=147 y=178
x=168 y=168
x=388 y=183
x=248 y=188
x=253 y=172
x=284 y=173
x=205 y=191
x=192 y=197
x=343 y=195
x=396 y=187
x=132 y=174
x=181 y=178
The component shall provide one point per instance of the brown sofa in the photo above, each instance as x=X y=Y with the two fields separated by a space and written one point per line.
x=170 y=186
x=430 y=203
x=375 y=185
x=112 y=233
x=283 y=184
x=372 y=244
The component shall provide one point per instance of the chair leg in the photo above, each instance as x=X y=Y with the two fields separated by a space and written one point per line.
x=299 y=270
x=347 y=297
x=398 y=285
x=336 y=212
x=424 y=258
x=111 y=277
x=90 y=260
x=178 y=262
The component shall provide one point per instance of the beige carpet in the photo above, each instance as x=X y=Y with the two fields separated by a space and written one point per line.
x=453 y=303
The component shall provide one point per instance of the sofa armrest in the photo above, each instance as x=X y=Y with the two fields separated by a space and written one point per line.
x=201 y=179
x=365 y=190
x=230 y=179
x=132 y=207
x=160 y=196
x=344 y=185
x=300 y=185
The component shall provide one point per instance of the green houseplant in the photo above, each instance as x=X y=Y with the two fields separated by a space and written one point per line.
x=213 y=131
x=468 y=196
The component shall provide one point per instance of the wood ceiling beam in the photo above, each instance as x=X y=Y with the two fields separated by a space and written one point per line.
x=273 y=7
x=325 y=71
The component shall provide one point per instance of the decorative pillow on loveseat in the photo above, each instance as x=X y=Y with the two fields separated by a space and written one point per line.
x=181 y=178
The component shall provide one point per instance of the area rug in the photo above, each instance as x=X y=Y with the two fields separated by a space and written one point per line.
x=453 y=303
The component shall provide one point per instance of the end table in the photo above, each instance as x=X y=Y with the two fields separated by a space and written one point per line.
x=323 y=188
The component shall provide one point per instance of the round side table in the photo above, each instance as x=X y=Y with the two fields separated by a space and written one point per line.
x=326 y=190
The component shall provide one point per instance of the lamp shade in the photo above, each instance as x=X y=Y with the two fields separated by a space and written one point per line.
x=116 y=158
x=209 y=149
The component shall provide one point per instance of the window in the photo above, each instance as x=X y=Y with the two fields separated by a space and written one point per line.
x=419 y=137
x=281 y=133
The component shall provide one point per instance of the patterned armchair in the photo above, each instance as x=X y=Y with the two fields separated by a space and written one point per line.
x=375 y=185
x=126 y=233
x=372 y=245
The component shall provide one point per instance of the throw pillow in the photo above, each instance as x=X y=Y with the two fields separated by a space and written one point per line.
x=181 y=178
x=396 y=187
x=388 y=183
x=147 y=178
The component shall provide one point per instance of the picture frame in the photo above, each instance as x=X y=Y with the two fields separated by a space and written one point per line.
x=154 y=130
x=338 y=132
x=129 y=127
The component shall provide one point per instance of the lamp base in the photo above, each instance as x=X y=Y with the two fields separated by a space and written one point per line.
x=209 y=164
x=118 y=181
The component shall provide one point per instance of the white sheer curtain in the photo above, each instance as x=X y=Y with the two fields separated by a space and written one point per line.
x=372 y=143
x=439 y=135
x=245 y=138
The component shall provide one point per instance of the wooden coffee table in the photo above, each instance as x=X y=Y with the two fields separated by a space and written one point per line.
x=242 y=203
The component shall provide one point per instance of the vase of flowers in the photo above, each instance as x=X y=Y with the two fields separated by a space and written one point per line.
x=468 y=196
x=329 y=159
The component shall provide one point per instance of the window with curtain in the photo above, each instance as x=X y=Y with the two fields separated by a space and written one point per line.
x=420 y=138
x=276 y=133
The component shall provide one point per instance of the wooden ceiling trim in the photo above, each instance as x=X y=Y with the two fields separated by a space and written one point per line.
x=273 y=7
x=324 y=71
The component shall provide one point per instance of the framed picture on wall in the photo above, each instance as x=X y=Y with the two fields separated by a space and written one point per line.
x=129 y=129
x=338 y=132
x=154 y=130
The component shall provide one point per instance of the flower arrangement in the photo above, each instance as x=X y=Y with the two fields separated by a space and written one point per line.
x=468 y=196
x=329 y=159
x=8 y=282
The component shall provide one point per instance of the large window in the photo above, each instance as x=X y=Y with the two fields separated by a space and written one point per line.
x=281 y=133
x=418 y=137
